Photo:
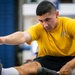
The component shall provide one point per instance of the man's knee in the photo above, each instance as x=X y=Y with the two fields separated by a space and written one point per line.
x=29 y=68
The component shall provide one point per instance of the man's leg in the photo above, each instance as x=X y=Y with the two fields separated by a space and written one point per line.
x=29 y=68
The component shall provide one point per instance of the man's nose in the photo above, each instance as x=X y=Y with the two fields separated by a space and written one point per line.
x=45 y=24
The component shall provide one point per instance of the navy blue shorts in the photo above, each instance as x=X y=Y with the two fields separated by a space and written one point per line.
x=52 y=62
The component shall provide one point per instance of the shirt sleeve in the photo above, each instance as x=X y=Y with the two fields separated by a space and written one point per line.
x=34 y=31
x=70 y=26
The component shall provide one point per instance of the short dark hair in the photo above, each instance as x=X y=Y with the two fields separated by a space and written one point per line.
x=45 y=7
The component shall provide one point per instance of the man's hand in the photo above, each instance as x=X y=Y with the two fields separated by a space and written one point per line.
x=67 y=68
x=2 y=40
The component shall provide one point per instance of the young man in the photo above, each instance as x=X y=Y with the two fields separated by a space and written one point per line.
x=56 y=40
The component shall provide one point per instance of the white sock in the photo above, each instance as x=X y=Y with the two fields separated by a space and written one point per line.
x=9 y=71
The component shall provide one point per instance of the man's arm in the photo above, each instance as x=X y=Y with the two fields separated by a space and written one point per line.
x=15 y=38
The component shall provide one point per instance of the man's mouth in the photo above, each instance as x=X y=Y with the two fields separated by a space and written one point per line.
x=48 y=28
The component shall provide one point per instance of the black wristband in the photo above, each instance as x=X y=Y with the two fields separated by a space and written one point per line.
x=45 y=71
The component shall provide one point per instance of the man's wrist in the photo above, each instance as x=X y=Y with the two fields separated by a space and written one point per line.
x=72 y=63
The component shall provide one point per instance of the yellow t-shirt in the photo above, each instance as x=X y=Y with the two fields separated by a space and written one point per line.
x=59 y=42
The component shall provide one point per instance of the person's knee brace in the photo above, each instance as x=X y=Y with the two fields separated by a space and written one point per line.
x=0 y=68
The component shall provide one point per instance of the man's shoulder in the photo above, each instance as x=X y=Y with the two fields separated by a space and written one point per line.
x=65 y=18
x=38 y=25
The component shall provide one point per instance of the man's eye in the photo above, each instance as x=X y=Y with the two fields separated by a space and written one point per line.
x=40 y=20
x=48 y=19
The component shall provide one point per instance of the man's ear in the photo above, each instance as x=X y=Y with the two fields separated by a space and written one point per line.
x=57 y=13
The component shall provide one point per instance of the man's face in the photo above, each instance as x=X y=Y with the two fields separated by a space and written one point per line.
x=48 y=21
